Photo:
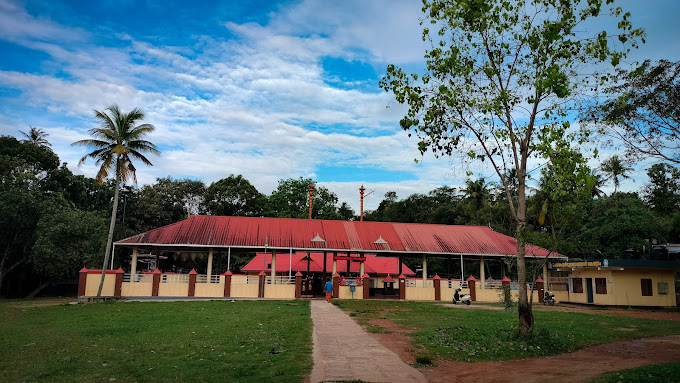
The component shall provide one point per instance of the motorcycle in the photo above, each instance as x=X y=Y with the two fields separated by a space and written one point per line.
x=549 y=299
x=465 y=298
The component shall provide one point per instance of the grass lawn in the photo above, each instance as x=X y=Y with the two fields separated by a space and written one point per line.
x=486 y=335
x=653 y=373
x=245 y=341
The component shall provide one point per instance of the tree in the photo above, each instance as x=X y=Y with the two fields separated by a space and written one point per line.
x=614 y=168
x=23 y=166
x=663 y=192
x=234 y=196
x=165 y=202
x=66 y=239
x=291 y=200
x=500 y=77
x=476 y=195
x=117 y=141
x=615 y=224
x=641 y=109
x=36 y=137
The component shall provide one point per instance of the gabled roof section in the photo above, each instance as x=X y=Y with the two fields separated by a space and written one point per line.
x=373 y=266
x=343 y=236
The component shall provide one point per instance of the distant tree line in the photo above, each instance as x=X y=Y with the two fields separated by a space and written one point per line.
x=53 y=222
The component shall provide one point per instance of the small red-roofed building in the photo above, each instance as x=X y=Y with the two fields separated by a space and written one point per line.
x=312 y=268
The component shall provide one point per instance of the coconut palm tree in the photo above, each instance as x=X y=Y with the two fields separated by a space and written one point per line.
x=36 y=136
x=614 y=169
x=476 y=194
x=116 y=143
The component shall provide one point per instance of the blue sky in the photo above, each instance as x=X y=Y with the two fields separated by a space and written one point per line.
x=266 y=89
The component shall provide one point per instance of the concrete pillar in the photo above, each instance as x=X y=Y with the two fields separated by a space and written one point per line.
x=118 y=285
x=336 y=285
x=82 y=281
x=298 y=285
x=546 y=276
x=540 y=290
x=471 y=286
x=273 y=273
x=133 y=264
x=502 y=269
x=361 y=268
x=156 y=282
x=437 y=288
x=424 y=270
x=260 y=286
x=227 y=283
x=402 y=286
x=192 y=282
x=481 y=273
x=366 y=283
x=210 y=262
x=335 y=264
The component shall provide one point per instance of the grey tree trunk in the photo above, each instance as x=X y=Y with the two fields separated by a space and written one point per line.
x=112 y=226
x=526 y=316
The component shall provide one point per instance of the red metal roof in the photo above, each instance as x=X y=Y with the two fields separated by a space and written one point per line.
x=374 y=265
x=353 y=236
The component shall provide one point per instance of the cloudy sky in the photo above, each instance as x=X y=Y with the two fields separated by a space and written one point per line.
x=269 y=90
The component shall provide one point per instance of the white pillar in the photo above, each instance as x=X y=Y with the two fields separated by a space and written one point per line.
x=210 y=262
x=273 y=266
x=335 y=264
x=361 y=269
x=133 y=264
x=546 y=277
x=424 y=270
x=229 y=258
x=481 y=272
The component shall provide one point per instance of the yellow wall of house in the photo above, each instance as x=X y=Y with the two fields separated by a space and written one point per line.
x=279 y=291
x=420 y=293
x=137 y=289
x=346 y=294
x=561 y=296
x=242 y=290
x=624 y=287
x=92 y=285
x=209 y=290
x=173 y=289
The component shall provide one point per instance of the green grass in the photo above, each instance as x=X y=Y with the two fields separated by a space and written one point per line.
x=653 y=373
x=487 y=335
x=245 y=341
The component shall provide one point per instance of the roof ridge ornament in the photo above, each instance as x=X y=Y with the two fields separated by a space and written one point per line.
x=380 y=241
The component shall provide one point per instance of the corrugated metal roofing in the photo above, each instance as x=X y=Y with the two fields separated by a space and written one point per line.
x=373 y=265
x=353 y=236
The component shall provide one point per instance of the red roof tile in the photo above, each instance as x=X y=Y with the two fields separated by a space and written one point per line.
x=359 y=236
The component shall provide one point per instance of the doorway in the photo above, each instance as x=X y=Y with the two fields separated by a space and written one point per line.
x=589 y=288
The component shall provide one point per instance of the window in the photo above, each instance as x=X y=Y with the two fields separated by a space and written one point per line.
x=577 y=285
x=646 y=287
x=600 y=285
x=663 y=287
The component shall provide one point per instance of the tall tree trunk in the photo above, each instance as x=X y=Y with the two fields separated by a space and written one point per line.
x=2 y=265
x=526 y=316
x=112 y=226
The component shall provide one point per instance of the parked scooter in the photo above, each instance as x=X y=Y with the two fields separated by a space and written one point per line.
x=549 y=299
x=465 y=298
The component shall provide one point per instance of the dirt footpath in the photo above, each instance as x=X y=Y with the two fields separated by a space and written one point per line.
x=580 y=366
